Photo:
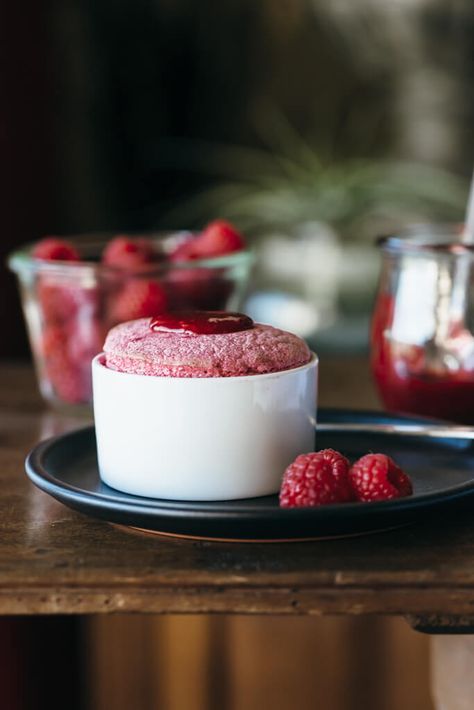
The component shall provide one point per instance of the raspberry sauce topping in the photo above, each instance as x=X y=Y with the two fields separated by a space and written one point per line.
x=200 y=322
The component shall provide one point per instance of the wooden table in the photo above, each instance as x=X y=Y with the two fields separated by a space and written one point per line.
x=54 y=560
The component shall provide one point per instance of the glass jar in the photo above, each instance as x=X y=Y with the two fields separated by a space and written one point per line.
x=69 y=306
x=422 y=342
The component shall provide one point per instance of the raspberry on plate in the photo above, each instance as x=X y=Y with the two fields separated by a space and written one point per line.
x=314 y=479
x=126 y=253
x=340 y=470
x=217 y=239
x=377 y=477
x=55 y=249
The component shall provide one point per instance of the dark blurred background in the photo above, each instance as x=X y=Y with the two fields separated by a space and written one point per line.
x=312 y=125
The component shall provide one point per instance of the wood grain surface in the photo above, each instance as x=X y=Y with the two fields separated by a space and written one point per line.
x=54 y=560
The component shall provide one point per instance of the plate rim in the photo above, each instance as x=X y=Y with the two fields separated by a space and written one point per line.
x=153 y=507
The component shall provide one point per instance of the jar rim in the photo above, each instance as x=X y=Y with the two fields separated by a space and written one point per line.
x=21 y=260
x=433 y=239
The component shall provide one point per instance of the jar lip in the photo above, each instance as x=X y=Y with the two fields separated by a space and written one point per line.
x=21 y=260
x=445 y=239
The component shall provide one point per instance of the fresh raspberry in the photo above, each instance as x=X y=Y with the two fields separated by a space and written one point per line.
x=217 y=239
x=316 y=479
x=138 y=298
x=340 y=470
x=126 y=253
x=54 y=341
x=220 y=237
x=55 y=249
x=56 y=302
x=186 y=251
x=85 y=339
x=69 y=382
x=60 y=301
x=199 y=289
x=377 y=477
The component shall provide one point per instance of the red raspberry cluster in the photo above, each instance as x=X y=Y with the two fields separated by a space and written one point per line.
x=76 y=314
x=327 y=476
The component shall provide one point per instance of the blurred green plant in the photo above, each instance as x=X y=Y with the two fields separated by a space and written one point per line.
x=288 y=182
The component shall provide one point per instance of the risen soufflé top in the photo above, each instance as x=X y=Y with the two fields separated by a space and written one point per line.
x=164 y=347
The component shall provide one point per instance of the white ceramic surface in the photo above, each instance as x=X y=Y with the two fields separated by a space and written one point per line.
x=215 y=438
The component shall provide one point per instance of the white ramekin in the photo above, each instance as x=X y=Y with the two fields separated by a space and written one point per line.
x=216 y=438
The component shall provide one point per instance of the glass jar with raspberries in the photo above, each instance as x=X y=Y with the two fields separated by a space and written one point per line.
x=74 y=290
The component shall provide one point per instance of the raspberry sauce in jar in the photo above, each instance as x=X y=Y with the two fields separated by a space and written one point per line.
x=422 y=342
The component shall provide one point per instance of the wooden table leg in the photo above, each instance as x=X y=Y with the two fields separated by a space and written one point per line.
x=452 y=672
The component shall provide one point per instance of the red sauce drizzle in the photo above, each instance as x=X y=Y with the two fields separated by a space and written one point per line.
x=200 y=322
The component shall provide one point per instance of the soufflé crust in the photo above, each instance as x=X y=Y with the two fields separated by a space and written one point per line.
x=134 y=348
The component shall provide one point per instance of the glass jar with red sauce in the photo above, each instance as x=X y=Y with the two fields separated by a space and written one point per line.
x=422 y=334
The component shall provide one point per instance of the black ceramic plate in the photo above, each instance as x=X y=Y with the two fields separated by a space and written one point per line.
x=442 y=471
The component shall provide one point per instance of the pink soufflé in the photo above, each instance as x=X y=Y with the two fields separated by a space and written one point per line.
x=135 y=349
